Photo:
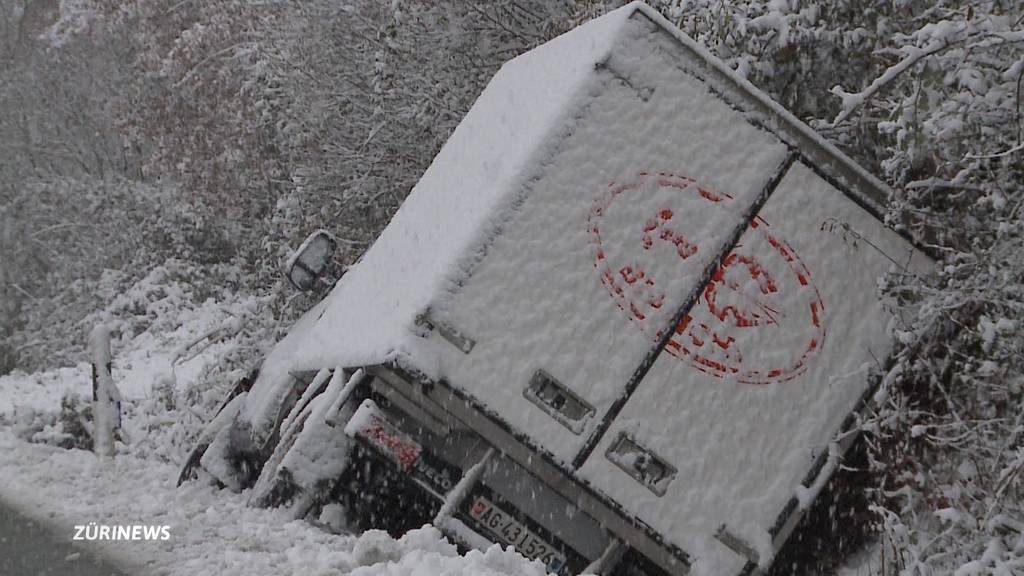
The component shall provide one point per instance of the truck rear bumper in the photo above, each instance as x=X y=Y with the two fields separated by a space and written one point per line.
x=521 y=497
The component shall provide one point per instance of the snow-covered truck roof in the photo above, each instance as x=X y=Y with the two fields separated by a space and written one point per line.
x=623 y=218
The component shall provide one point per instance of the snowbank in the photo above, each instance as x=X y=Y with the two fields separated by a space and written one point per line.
x=213 y=532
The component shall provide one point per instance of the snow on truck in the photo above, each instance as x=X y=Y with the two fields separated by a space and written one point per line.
x=623 y=323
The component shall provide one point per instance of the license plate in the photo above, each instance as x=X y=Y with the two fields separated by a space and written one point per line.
x=508 y=530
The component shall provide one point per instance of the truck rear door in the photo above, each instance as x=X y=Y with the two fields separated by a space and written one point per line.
x=632 y=200
x=759 y=374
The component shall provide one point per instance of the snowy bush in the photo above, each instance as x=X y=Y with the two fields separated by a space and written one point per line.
x=947 y=442
x=70 y=427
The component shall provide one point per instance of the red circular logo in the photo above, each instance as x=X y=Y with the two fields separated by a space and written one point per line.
x=759 y=319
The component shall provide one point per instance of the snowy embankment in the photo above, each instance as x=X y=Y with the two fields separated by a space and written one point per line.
x=212 y=531
x=169 y=363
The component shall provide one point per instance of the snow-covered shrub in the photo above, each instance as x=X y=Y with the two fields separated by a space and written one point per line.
x=69 y=427
x=947 y=110
x=948 y=442
x=74 y=247
x=158 y=428
x=793 y=50
x=75 y=422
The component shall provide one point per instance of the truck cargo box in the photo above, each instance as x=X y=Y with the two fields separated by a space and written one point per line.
x=652 y=286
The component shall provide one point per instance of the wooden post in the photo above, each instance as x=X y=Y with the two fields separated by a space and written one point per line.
x=106 y=415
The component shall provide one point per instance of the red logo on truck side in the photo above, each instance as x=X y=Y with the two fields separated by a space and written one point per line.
x=761 y=294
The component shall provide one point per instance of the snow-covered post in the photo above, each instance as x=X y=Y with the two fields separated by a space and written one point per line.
x=106 y=416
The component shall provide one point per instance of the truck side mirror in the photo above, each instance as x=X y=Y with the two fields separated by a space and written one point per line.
x=307 y=265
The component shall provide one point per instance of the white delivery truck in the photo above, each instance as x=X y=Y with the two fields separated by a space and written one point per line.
x=623 y=323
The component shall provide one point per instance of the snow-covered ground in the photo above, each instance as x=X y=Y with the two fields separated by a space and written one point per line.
x=212 y=531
